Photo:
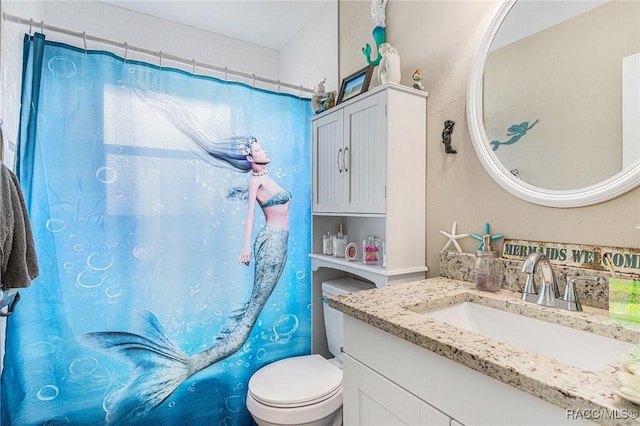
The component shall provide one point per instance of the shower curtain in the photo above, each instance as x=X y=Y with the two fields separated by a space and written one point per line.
x=138 y=223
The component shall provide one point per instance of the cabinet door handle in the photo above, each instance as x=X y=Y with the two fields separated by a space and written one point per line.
x=346 y=161
x=338 y=160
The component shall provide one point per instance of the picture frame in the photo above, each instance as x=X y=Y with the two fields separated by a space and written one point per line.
x=355 y=84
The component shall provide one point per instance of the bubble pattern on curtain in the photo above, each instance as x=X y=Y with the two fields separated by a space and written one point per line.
x=138 y=230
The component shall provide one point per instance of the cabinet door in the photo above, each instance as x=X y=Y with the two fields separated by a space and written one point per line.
x=372 y=400
x=329 y=174
x=365 y=140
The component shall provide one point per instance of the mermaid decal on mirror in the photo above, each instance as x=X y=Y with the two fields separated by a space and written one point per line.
x=515 y=132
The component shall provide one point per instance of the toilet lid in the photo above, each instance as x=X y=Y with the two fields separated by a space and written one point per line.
x=296 y=381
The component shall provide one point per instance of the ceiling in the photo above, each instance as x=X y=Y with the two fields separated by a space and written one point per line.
x=269 y=23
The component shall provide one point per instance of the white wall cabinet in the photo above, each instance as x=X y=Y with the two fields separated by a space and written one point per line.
x=406 y=384
x=349 y=159
x=369 y=175
x=328 y=158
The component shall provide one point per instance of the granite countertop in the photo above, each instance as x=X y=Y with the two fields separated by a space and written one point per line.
x=396 y=309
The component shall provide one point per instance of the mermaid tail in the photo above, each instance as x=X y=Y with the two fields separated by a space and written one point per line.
x=160 y=366
x=270 y=253
x=380 y=37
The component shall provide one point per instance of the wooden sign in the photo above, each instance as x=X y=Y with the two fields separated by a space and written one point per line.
x=624 y=260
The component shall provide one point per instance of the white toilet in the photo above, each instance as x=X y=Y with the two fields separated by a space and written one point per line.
x=305 y=390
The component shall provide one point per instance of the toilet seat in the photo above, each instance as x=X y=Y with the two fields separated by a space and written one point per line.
x=296 y=382
x=308 y=414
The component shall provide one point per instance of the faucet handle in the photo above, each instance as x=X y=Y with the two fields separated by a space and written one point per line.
x=571 y=293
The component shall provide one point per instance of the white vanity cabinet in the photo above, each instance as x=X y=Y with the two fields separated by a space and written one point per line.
x=369 y=176
x=390 y=381
x=375 y=400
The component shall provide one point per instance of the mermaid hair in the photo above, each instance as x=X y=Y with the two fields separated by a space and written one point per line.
x=226 y=152
x=232 y=151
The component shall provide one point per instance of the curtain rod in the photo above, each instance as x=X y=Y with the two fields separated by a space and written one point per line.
x=158 y=54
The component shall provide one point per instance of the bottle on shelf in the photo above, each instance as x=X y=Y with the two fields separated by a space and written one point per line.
x=327 y=243
x=339 y=243
x=370 y=250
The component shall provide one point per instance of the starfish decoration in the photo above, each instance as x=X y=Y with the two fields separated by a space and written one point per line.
x=486 y=231
x=453 y=238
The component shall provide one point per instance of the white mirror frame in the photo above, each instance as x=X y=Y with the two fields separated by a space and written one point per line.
x=622 y=182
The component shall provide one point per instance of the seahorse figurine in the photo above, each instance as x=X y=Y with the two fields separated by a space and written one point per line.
x=379 y=33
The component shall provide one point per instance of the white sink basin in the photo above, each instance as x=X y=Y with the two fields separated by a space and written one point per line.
x=581 y=349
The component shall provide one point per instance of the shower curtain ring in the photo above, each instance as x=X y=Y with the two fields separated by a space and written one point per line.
x=278 y=87
x=42 y=27
x=300 y=92
x=254 y=81
x=84 y=41
x=30 y=26
x=126 y=51
x=160 y=59
x=226 y=74
x=193 y=67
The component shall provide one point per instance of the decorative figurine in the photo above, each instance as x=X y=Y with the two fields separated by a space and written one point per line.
x=416 y=79
x=379 y=33
x=453 y=238
x=389 y=68
x=321 y=100
x=446 y=137
x=318 y=94
x=487 y=230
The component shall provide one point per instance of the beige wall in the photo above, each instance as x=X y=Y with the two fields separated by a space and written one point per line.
x=440 y=37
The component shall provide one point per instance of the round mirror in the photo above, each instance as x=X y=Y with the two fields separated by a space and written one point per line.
x=553 y=100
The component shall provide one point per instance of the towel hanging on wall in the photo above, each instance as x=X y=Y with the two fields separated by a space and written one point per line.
x=17 y=250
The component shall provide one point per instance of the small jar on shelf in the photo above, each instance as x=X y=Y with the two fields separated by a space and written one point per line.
x=370 y=250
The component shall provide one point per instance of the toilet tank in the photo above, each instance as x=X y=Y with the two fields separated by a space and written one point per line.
x=333 y=317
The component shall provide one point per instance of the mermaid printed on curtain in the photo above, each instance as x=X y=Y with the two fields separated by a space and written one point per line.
x=161 y=205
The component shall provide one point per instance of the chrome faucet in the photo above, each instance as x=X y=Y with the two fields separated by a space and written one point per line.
x=549 y=294
x=548 y=289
